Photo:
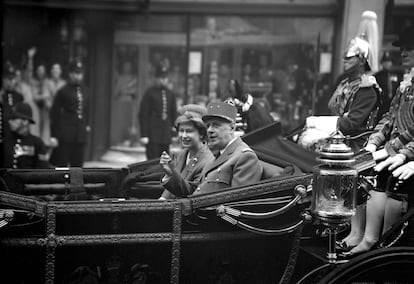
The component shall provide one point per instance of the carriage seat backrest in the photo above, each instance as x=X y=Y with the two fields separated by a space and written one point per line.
x=270 y=170
x=64 y=181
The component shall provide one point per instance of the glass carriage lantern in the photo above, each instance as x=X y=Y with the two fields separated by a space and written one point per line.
x=334 y=188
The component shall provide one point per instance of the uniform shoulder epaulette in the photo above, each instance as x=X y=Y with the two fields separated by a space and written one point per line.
x=246 y=150
x=368 y=81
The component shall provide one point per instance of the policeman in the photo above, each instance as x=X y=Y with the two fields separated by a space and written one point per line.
x=69 y=119
x=157 y=114
x=236 y=164
x=28 y=151
x=8 y=98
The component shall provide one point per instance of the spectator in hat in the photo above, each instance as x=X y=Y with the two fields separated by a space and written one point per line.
x=388 y=80
x=394 y=136
x=26 y=150
x=236 y=164
x=183 y=172
x=69 y=119
x=157 y=114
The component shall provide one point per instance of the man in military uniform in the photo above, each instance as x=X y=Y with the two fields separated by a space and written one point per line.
x=394 y=136
x=8 y=98
x=28 y=151
x=236 y=164
x=157 y=115
x=69 y=119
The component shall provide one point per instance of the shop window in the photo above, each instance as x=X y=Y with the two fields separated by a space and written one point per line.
x=273 y=58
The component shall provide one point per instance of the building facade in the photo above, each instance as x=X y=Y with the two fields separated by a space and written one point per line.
x=287 y=51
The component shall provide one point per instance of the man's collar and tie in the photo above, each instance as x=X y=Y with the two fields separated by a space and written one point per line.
x=228 y=144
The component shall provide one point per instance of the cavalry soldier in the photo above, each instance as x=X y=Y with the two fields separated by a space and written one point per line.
x=357 y=96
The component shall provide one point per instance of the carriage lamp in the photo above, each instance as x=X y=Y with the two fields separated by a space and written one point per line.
x=334 y=188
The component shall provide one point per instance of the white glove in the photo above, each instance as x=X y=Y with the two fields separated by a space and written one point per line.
x=391 y=163
x=405 y=171
x=371 y=148
x=326 y=124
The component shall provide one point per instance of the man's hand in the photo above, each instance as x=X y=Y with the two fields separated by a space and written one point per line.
x=166 y=163
x=371 y=148
x=405 y=171
x=391 y=162
x=144 y=140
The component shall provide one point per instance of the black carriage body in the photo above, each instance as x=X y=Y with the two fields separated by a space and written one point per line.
x=79 y=224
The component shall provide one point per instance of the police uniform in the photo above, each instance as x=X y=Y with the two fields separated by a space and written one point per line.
x=157 y=115
x=69 y=121
x=29 y=152
x=25 y=151
x=9 y=98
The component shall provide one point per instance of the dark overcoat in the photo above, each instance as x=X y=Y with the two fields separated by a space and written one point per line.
x=152 y=124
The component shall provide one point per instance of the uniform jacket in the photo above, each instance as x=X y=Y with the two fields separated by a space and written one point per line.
x=356 y=101
x=27 y=152
x=361 y=98
x=396 y=129
x=66 y=123
x=153 y=126
x=238 y=165
x=7 y=100
x=185 y=178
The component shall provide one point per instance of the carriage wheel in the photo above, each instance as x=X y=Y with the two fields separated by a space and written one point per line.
x=383 y=265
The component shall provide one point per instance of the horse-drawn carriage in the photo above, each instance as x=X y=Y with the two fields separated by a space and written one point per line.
x=105 y=225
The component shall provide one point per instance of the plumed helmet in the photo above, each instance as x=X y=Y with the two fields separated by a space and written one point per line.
x=357 y=47
x=365 y=44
